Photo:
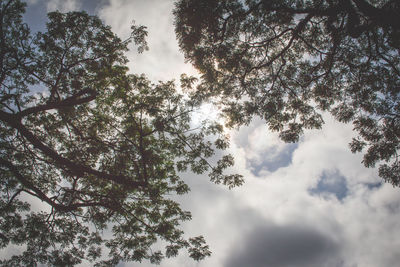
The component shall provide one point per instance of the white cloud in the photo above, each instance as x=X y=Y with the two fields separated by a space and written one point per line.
x=359 y=230
x=363 y=225
x=263 y=150
x=164 y=61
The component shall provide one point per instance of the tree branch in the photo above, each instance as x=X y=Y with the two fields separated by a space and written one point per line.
x=68 y=102
x=38 y=193
x=75 y=168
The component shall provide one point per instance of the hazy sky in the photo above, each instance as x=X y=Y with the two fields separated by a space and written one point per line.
x=310 y=204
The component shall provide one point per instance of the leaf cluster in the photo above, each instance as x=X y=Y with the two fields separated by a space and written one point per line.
x=100 y=148
x=289 y=61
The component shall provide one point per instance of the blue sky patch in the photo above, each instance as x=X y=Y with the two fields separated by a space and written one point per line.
x=271 y=164
x=331 y=183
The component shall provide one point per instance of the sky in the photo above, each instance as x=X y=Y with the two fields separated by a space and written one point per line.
x=309 y=204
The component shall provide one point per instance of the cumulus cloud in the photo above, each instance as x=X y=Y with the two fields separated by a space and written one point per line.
x=164 y=61
x=320 y=210
x=264 y=151
x=326 y=188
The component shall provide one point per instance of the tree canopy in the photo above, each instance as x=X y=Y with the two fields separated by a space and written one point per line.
x=290 y=61
x=100 y=148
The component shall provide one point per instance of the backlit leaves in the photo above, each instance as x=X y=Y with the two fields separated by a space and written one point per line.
x=100 y=148
x=288 y=61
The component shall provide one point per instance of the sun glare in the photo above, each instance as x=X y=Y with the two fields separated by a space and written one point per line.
x=207 y=112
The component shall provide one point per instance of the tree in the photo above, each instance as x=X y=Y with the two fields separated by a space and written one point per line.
x=98 y=146
x=289 y=61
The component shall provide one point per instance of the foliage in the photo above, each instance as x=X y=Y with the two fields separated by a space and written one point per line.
x=288 y=61
x=100 y=148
